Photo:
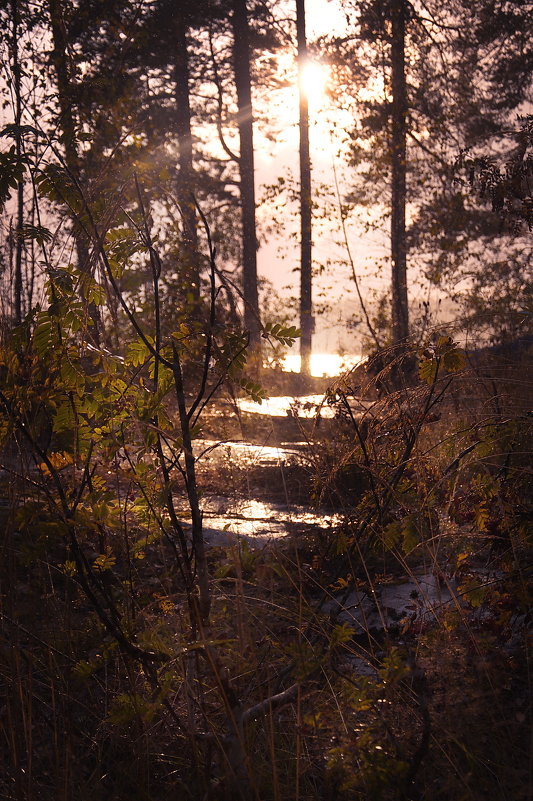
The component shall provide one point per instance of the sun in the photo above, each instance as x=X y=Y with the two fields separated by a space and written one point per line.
x=314 y=81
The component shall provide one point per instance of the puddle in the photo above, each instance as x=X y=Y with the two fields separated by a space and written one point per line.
x=258 y=522
x=306 y=406
x=244 y=453
x=302 y=406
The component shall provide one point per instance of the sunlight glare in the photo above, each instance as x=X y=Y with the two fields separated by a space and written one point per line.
x=323 y=364
x=314 y=81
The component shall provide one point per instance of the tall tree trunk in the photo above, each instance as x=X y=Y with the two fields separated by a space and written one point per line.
x=59 y=58
x=400 y=314
x=241 y=61
x=306 y=309
x=185 y=183
x=17 y=289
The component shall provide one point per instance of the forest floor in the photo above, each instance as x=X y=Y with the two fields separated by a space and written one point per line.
x=410 y=654
x=466 y=591
x=458 y=607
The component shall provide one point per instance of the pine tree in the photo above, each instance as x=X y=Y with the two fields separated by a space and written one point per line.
x=432 y=88
x=243 y=83
x=306 y=313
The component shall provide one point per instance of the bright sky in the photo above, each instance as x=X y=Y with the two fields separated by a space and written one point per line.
x=279 y=256
x=279 y=253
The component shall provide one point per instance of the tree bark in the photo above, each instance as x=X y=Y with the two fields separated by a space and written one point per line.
x=59 y=60
x=306 y=309
x=241 y=61
x=17 y=289
x=400 y=313
x=186 y=178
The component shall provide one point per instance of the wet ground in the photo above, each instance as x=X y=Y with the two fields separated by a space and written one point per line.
x=255 y=465
x=257 y=492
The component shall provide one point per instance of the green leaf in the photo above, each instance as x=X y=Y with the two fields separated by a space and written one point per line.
x=474 y=592
x=481 y=517
x=137 y=353
x=410 y=535
x=14 y=131
x=105 y=561
x=342 y=633
x=427 y=369
x=12 y=169
x=68 y=568
x=42 y=335
x=232 y=356
x=71 y=376
x=92 y=291
x=64 y=418
x=37 y=232
x=392 y=534
x=84 y=669
x=286 y=335
x=126 y=708
x=55 y=183
x=254 y=390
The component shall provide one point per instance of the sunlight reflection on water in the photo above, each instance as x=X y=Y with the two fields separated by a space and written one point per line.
x=228 y=519
x=257 y=521
x=246 y=452
x=288 y=406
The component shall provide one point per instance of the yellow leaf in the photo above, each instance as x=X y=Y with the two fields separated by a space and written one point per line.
x=444 y=342
x=481 y=517
x=427 y=370
x=68 y=568
x=105 y=561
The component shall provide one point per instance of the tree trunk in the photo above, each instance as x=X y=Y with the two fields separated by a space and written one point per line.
x=186 y=183
x=306 y=311
x=17 y=289
x=400 y=314
x=59 y=59
x=241 y=61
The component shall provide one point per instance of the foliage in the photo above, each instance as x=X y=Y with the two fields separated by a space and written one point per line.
x=508 y=187
x=143 y=660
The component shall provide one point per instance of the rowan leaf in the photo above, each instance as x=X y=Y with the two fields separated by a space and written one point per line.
x=427 y=369
x=42 y=335
x=481 y=517
x=138 y=353
x=105 y=561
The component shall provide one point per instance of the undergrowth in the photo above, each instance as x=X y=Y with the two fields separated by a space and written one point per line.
x=140 y=662
x=112 y=690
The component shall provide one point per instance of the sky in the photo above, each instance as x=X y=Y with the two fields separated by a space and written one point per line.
x=279 y=256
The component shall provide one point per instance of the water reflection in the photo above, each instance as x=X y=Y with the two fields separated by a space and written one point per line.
x=288 y=406
x=258 y=522
x=303 y=406
x=246 y=453
x=228 y=518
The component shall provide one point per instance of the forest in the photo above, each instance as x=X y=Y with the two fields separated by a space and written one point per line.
x=223 y=580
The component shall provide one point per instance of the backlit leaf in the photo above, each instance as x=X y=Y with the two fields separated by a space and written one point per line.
x=427 y=369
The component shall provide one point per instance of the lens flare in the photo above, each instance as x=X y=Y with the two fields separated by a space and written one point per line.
x=314 y=81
